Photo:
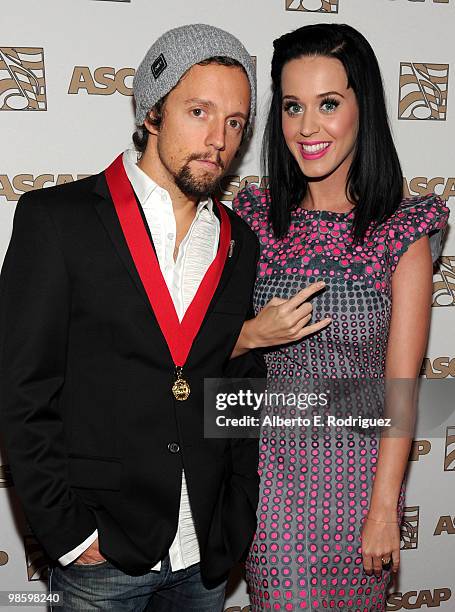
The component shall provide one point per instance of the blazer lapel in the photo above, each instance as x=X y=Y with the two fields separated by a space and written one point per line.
x=231 y=260
x=106 y=211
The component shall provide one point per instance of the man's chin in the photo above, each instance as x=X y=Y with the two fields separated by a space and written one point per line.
x=197 y=187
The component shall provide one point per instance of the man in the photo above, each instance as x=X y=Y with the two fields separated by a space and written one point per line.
x=119 y=294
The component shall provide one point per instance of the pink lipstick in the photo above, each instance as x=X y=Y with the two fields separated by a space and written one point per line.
x=314 y=149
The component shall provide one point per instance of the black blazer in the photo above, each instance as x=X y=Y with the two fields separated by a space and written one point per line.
x=94 y=436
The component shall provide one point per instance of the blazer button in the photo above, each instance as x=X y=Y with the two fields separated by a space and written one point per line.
x=173 y=447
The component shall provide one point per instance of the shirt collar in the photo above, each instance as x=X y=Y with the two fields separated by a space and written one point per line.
x=144 y=186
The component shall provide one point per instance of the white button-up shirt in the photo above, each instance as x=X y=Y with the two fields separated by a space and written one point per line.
x=183 y=276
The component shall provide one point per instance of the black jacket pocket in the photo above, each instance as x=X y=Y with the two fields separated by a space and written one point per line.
x=95 y=473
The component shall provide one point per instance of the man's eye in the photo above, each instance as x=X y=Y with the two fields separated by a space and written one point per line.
x=197 y=112
x=234 y=123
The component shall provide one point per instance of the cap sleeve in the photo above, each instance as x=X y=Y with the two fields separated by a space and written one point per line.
x=415 y=218
x=251 y=204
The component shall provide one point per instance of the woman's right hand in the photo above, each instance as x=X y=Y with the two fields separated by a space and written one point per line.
x=281 y=321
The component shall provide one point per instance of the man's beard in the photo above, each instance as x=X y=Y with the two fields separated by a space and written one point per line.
x=197 y=186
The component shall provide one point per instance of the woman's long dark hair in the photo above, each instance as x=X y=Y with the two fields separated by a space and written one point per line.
x=375 y=181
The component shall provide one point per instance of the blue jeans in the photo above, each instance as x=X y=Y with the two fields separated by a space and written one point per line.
x=104 y=587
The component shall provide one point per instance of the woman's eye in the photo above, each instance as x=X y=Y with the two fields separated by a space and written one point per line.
x=329 y=106
x=292 y=108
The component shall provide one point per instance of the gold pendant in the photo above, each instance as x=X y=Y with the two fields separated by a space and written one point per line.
x=181 y=388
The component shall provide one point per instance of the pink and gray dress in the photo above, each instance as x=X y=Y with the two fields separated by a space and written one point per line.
x=315 y=488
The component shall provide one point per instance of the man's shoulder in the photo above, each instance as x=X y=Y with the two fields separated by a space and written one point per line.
x=64 y=195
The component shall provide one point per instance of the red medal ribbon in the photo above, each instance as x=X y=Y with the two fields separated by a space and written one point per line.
x=179 y=335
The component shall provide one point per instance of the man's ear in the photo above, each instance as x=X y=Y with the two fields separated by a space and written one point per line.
x=149 y=123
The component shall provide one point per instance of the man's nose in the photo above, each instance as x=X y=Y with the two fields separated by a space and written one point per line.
x=216 y=136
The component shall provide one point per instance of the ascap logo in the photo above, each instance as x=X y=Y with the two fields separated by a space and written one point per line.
x=22 y=80
x=3 y=558
x=12 y=189
x=449 y=455
x=313 y=6
x=446 y=524
x=6 y=479
x=231 y=185
x=410 y=528
x=444 y=282
x=104 y=81
x=37 y=562
x=414 y=600
x=421 y=185
x=441 y=367
x=419 y=448
x=423 y=91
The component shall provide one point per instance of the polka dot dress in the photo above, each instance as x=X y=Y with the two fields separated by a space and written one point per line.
x=316 y=486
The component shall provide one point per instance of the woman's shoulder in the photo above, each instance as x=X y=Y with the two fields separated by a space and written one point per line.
x=414 y=218
x=421 y=211
x=251 y=204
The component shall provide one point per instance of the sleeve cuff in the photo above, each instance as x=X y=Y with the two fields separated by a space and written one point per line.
x=72 y=555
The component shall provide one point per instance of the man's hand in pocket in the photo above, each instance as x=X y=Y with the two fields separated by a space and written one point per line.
x=90 y=556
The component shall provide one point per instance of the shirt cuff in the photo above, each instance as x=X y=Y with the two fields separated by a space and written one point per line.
x=72 y=555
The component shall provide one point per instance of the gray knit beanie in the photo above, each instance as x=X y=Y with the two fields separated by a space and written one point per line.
x=175 y=52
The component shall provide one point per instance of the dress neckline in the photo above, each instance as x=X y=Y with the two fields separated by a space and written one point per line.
x=322 y=214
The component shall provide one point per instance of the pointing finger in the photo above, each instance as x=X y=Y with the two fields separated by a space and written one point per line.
x=315 y=327
x=303 y=295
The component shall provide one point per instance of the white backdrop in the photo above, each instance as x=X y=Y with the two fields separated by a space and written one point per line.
x=65 y=77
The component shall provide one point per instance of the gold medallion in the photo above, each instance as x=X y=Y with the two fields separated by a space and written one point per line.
x=181 y=388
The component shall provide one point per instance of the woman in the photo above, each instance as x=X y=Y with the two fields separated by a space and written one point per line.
x=330 y=505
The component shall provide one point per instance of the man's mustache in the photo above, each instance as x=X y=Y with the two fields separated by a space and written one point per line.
x=206 y=156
